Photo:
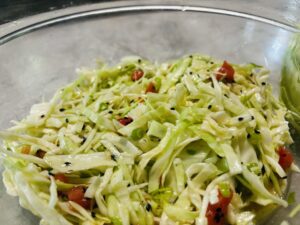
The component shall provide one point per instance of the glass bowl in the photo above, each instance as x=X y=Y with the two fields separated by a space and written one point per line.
x=40 y=54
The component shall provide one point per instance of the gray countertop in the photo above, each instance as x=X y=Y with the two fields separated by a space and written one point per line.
x=11 y=10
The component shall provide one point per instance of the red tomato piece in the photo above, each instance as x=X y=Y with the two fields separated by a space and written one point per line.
x=76 y=194
x=137 y=74
x=285 y=157
x=151 y=88
x=85 y=203
x=125 y=121
x=216 y=213
x=61 y=177
x=225 y=72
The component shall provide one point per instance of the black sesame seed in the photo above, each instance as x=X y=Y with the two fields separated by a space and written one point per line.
x=67 y=163
x=257 y=131
x=62 y=109
x=172 y=108
x=83 y=140
x=50 y=174
x=252 y=117
x=155 y=139
x=113 y=157
x=211 y=62
x=240 y=118
x=226 y=95
x=148 y=207
x=263 y=83
x=191 y=73
x=83 y=127
x=139 y=60
x=209 y=106
x=248 y=136
x=93 y=214
x=251 y=74
x=191 y=56
x=263 y=170
x=42 y=116
x=110 y=112
x=128 y=185
x=185 y=185
x=67 y=120
x=175 y=199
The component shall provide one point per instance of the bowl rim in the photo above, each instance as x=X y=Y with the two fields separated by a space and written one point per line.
x=65 y=17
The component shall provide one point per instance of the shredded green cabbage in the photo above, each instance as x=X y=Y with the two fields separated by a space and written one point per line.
x=150 y=157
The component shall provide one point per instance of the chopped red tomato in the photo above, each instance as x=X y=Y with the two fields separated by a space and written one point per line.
x=285 y=157
x=151 y=88
x=225 y=72
x=137 y=74
x=76 y=194
x=40 y=154
x=125 y=121
x=85 y=203
x=215 y=213
x=61 y=177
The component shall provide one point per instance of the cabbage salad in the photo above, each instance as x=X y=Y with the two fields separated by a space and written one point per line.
x=191 y=141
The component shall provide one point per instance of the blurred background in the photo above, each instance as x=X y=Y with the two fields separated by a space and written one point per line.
x=280 y=10
x=16 y=9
